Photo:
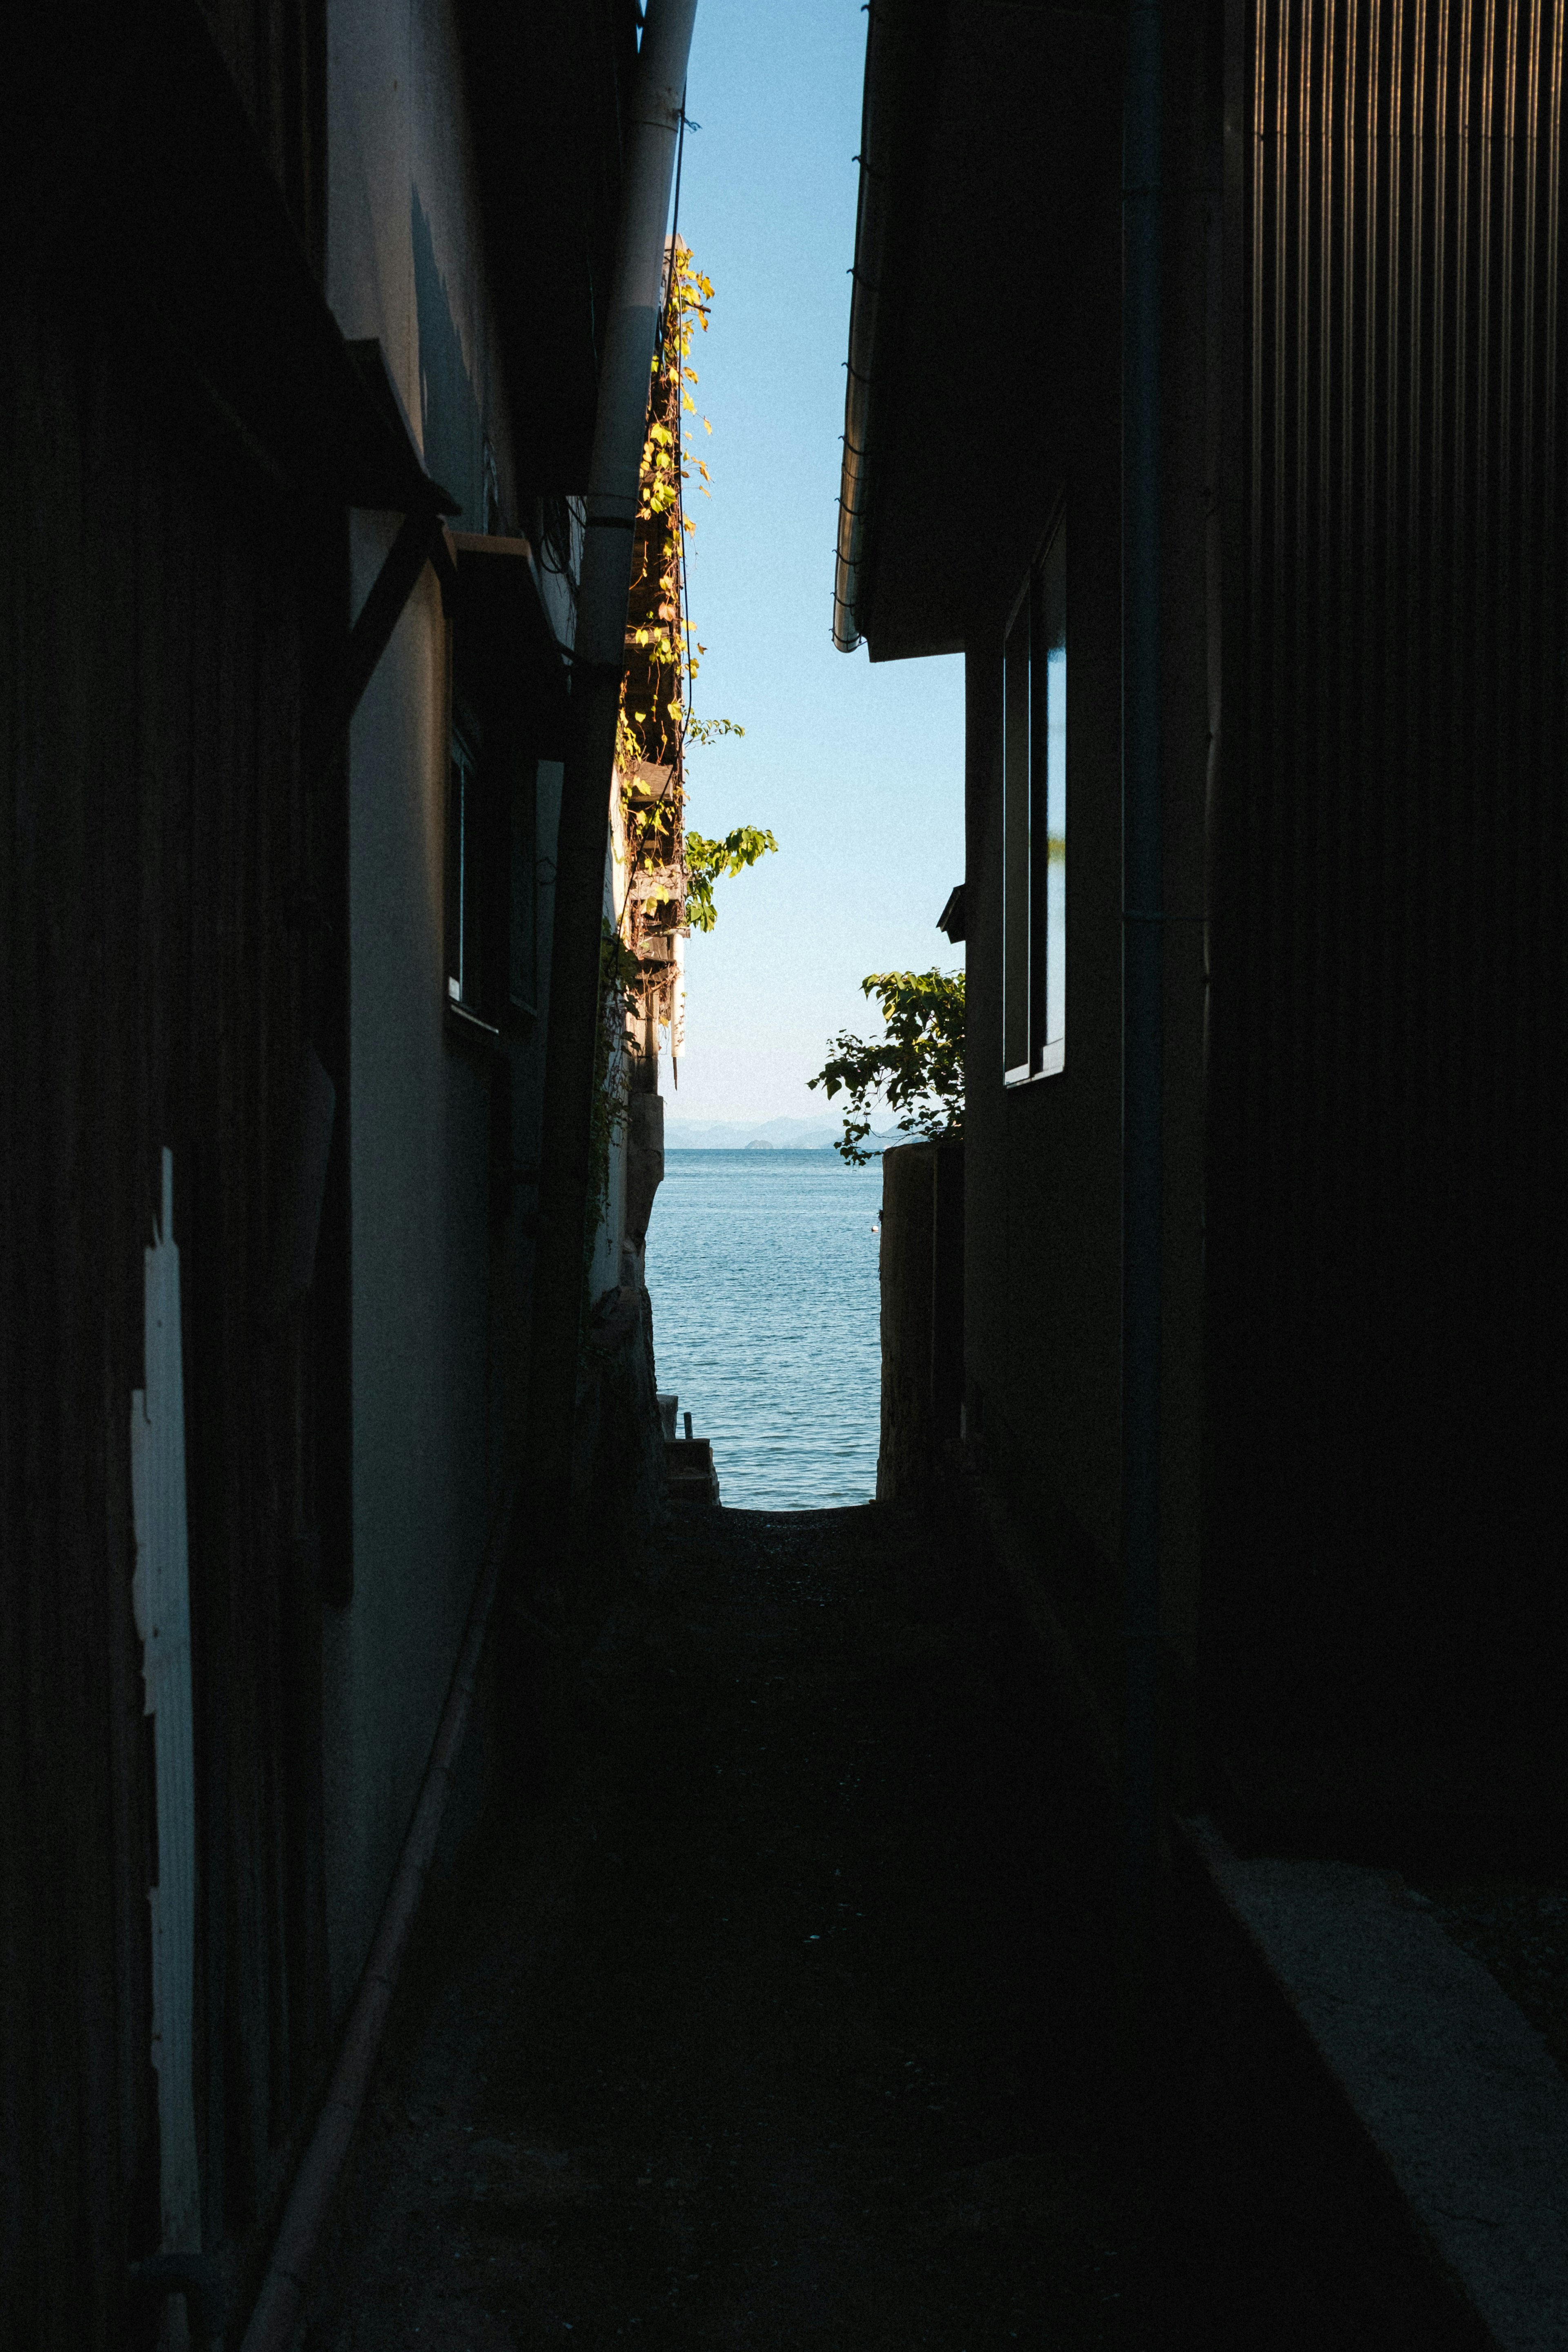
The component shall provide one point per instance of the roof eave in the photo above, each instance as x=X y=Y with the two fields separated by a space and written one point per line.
x=903 y=43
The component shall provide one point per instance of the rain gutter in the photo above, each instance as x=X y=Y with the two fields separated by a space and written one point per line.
x=903 y=43
x=873 y=216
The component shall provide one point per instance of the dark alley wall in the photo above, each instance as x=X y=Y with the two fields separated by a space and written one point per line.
x=206 y=894
x=1366 y=999
x=1388 y=1265
x=1043 y=1338
x=162 y=604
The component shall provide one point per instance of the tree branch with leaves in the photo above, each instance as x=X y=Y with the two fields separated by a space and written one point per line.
x=708 y=862
x=916 y=1068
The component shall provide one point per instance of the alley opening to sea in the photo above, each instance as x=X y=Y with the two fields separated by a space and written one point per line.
x=762 y=1267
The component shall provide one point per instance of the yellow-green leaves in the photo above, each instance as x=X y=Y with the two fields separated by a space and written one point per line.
x=708 y=862
x=669 y=655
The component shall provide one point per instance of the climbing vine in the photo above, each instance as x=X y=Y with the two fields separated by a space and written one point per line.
x=618 y=977
x=671 y=873
x=708 y=862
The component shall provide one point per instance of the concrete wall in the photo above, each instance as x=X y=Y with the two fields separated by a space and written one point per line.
x=919 y=1261
x=405 y=263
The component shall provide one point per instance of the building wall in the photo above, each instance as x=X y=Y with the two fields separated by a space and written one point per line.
x=1386 y=1590
x=1043 y=1272
x=162 y=601
x=405 y=263
x=176 y=596
x=406 y=257
x=1044 y=1184
x=1365 y=1142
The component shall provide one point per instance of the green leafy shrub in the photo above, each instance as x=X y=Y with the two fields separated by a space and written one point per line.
x=917 y=1069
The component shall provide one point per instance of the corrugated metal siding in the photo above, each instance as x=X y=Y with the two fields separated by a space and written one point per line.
x=156 y=912
x=1390 y=1023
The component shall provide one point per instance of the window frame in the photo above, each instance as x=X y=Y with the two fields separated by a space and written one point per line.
x=507 y=713
x=1035 y=818
x=466 y=862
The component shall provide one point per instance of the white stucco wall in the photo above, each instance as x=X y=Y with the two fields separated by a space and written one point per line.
x=605 y=1266
x=405 y=265
x=405 y=252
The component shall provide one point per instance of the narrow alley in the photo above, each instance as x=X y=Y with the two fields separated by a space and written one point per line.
x=760 y=2022
x=981 y=850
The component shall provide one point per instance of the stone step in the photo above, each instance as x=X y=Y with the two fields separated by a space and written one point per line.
x=689 y=1466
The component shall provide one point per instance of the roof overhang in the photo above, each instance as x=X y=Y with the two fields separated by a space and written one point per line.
x=991 y=129
x=504 y=640
x=133 y=161
x=547 y=88
x=172 y=216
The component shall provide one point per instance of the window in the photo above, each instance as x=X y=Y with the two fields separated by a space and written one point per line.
x=492 y=879
x=1035 y=822
x=509 y=712
x=465 y=877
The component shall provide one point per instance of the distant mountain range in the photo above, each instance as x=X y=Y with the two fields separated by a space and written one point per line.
x=735 y=1135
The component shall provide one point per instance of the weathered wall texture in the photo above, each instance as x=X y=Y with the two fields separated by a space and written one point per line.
x=159 y=609
x=405 y=263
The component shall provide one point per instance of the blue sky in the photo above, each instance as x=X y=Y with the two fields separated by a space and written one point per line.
x=858 y=770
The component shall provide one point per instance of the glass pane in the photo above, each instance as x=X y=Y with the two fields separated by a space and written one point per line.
x=1056 y=796
x=1015 y=848
x=455 y=893
x=1037 y=931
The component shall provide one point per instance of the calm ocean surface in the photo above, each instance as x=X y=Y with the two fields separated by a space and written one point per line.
x=761 y=1266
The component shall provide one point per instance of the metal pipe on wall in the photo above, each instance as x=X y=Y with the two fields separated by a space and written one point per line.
x=1143 y=964
x=873 y=220
x=598 y=662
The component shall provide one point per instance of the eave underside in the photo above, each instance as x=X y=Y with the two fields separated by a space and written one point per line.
x=965 y=428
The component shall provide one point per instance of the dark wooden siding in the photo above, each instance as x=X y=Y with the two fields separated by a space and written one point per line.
x=276 y=54
x=168 y=950
x=1390 y=1021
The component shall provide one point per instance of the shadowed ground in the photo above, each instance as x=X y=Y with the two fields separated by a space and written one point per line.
x=778 y=2020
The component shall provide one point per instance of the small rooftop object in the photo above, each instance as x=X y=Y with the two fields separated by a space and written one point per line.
x=950 y=919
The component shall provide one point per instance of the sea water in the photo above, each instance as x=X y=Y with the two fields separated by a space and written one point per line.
x=761 y=1266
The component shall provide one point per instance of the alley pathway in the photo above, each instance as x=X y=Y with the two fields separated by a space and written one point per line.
x=777 y=2020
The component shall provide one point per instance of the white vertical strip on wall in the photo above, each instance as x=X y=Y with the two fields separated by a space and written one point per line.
x=678 y=1003
x=161 y=1599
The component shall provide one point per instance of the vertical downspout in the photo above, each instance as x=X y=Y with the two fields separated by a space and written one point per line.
x=1142 y=968
x=598 y=663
